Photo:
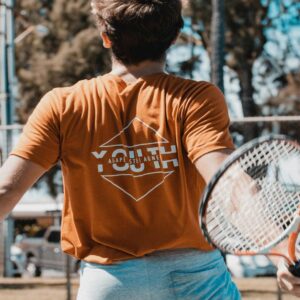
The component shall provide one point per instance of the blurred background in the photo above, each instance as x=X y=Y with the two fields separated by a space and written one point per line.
x=249 y=48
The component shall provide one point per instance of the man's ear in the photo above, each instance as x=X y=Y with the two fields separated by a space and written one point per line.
x=106 y=40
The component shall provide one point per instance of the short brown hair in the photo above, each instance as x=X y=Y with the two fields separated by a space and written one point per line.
x=139 y=29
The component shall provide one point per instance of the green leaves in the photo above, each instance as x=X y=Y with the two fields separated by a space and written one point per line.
x=70 y=51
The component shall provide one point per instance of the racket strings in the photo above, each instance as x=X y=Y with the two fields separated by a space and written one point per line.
x=255 y=201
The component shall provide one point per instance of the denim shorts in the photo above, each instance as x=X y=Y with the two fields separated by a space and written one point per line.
x=164 y=275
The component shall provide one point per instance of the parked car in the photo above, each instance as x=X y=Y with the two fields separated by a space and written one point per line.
x=250 y=266
x=44 y=252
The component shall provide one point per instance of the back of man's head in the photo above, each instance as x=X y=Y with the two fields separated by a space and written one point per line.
x=139 y=30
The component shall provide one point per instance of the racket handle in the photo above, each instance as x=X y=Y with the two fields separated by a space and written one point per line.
x=295 y=269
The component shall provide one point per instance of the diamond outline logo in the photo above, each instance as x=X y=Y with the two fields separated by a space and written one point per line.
x=106 y=144
x=106 y=177
x=163 y=174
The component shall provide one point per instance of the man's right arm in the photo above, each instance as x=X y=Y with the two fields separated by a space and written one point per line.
x=17 y=175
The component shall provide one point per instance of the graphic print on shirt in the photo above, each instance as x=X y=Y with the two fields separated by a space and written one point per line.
x=136 y=168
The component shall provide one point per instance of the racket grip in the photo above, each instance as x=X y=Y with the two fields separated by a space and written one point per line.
x=295 y=269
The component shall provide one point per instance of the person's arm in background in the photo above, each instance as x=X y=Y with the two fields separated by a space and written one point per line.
x=17 y=175
x=286 y=281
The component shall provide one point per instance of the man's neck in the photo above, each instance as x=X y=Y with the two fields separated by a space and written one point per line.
x=131 y=73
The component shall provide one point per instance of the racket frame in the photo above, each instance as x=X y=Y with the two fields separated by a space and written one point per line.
x=223 y=168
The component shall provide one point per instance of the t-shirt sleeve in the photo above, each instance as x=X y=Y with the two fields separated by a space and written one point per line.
x=39 y=141
x=206 y=123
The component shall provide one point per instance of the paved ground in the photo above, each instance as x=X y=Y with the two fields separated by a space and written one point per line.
x=54 y=288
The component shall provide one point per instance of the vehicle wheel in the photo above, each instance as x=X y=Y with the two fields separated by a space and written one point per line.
x=32 y=268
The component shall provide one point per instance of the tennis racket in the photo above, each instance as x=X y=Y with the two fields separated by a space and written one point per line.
x=253 y=201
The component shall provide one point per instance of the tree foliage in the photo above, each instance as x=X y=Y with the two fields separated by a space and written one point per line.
x=287 y=101
x=248 y=30
x=67 y=50
x=64 y=47
x=244 y=39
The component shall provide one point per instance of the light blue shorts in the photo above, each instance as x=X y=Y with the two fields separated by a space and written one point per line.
x=164 y=275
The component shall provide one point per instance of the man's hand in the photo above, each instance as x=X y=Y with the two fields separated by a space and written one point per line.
x=286 y=281
x=17 y=175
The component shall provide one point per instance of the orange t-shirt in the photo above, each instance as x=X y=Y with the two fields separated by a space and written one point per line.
x=127 y=154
